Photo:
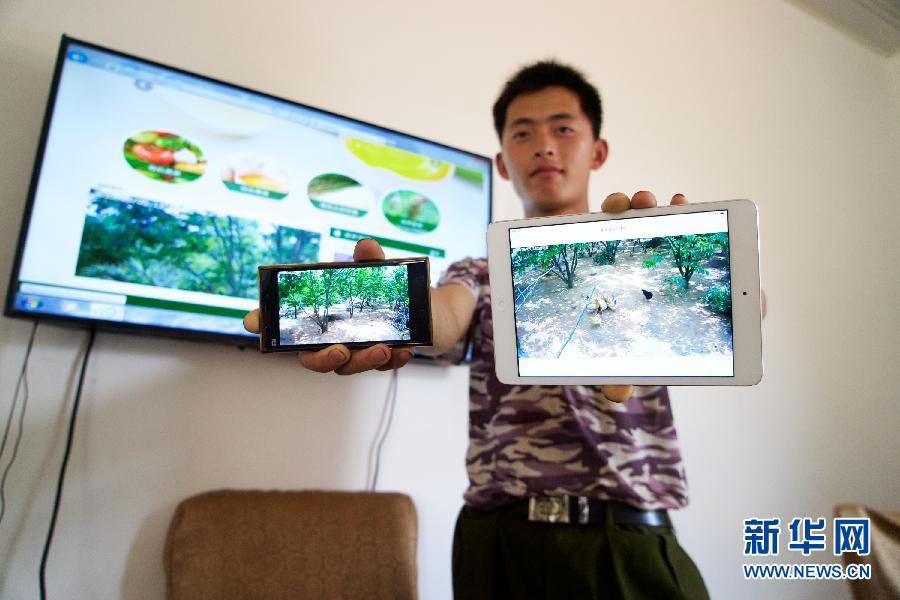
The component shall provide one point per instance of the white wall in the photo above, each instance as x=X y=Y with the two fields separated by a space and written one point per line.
x=713 y=99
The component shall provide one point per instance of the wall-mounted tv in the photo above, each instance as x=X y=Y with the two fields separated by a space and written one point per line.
x=157 y=192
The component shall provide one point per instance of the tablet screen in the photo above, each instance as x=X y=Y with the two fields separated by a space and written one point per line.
x=632 y=297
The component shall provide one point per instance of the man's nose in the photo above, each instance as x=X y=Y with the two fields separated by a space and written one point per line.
x=544 y=147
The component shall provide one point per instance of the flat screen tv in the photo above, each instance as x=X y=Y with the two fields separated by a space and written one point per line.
x=157 y=192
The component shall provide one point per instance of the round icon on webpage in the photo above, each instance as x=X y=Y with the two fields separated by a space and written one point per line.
x=164 y=156
x=339 y=193
x=411 y=211
x=256 y=177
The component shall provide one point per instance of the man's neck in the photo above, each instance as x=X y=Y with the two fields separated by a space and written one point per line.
x=581 y=206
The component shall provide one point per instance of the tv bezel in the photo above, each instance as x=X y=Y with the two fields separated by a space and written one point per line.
x=9 y=309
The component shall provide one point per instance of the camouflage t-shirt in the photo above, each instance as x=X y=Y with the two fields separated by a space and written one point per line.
x=552 y=440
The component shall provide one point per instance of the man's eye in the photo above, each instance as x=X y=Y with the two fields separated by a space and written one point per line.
x=565 y=129
x=518 y=135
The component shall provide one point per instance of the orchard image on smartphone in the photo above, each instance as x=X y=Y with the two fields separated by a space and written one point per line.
x=357 y=304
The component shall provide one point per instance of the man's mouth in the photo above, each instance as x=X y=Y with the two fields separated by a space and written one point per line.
x=546 y=171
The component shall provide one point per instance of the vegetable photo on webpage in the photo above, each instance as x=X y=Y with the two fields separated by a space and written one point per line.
x=341 y=305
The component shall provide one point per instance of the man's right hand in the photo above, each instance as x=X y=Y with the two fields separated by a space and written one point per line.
x=338 y=357
x=615 y=203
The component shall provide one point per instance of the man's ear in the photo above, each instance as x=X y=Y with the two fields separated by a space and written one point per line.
x=601 y=151
x=501 y=166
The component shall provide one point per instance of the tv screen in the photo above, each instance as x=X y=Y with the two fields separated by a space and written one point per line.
x=157 y=192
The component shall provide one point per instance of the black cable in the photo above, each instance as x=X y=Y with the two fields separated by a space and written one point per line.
x=391 y=401
x=62 y=471
x=23 y=377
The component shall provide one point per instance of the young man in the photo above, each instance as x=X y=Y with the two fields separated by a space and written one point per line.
x=568 y=485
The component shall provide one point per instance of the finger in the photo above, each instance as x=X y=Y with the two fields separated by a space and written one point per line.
x=643 y=199
x=251 y=321
x=368 y=249
x=399 y=357
x=325 y=360
x=616 y=393
x=615 y=203
x=365 y=360
x=679 y=199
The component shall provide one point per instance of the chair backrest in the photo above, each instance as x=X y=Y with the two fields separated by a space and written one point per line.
x=883 y=557
x=232 y=544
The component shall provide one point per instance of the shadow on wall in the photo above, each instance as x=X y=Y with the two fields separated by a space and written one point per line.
x=33 y=437
x=161 y=420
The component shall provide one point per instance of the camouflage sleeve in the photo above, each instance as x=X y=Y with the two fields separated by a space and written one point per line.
x=463 y=272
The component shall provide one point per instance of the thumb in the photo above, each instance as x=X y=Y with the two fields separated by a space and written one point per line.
x=367 y=249
x=616 y=393
x=251 y=321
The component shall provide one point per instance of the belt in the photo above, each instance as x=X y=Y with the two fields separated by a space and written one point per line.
x=587 y=511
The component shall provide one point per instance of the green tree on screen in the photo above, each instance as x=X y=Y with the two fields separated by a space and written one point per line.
x=356 y=279
x=560 y=259
x=398 y=288
x=688 y=253
x=371 y=288
x=607 y=251
x=285 y=245
x=150 y=244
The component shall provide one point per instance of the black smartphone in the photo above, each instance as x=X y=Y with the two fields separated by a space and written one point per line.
x=311 y=306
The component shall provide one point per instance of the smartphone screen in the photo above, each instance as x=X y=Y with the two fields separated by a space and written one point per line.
x=311 y=306
x=642 y=296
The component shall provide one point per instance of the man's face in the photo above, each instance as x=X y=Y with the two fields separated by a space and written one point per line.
x=548 y=151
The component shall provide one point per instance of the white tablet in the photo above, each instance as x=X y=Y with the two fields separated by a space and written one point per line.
x=659 y=296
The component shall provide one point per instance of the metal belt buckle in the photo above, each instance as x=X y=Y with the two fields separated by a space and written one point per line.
x=549 y=509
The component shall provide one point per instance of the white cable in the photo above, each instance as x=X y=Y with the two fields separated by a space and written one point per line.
x=384 y=426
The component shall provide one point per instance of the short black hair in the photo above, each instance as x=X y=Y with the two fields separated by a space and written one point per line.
x=544 y=74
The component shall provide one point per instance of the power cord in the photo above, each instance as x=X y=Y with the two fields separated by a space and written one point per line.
x=384 y=426
x=22 y=382
x=62 y=471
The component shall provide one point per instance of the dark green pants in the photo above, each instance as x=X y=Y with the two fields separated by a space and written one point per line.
x=502 y=556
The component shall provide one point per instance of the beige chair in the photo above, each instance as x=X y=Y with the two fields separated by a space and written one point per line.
x=274 y=545
x=884 y=553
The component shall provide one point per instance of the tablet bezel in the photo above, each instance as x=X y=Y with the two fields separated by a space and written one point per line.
x=745 y=297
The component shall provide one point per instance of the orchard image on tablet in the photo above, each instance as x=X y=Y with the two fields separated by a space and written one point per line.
x=629 y=297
